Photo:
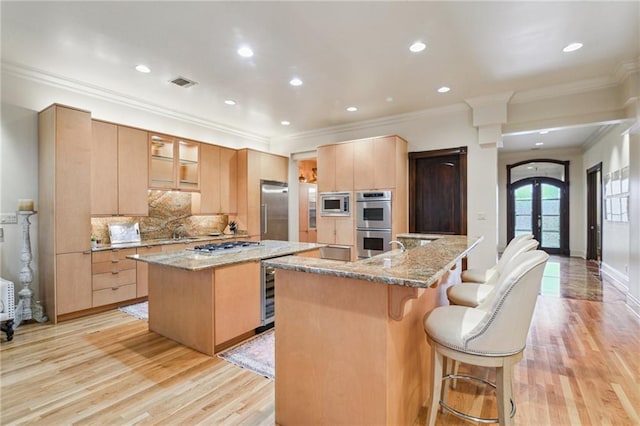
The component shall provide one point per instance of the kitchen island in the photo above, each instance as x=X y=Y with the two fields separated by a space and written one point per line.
x=350 y=346
x=209 y=301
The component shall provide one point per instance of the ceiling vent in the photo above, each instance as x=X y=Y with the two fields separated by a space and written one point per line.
x=183 y=82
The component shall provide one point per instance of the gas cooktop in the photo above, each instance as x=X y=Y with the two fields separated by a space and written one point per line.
x=226 y=246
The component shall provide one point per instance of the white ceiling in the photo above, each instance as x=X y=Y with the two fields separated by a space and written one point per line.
x=347 y=53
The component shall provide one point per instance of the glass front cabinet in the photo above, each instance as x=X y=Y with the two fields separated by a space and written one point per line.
x=173 y=163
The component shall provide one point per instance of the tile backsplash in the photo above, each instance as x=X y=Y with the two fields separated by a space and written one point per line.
x=169 y=211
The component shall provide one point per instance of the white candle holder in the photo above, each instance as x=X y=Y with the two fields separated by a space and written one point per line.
x=24 y=311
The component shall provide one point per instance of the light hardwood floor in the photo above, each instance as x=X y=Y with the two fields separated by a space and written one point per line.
x=581 y=367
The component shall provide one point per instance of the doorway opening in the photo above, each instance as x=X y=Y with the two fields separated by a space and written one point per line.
x=538 y=203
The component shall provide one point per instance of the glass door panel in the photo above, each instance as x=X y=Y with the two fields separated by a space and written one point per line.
x=161 y=170
x=188 y=173
x=550 y=216
x=523 y=210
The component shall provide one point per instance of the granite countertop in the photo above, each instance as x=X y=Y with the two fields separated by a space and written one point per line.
x=421 y=266
x=163 y=241
x=195 y=261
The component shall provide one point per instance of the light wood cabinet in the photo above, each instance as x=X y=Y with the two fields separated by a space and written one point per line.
x=133 y=172
x=174 y=164
x=237 y=300
x=336 y=230
x=375 y=163
x=335 y=167
x=64 y=204
x=113 y=276
x=73 y=282
x=228 y=180
x=254 y=166
x=326 y=168
x=104 y=168
x=118 y=170
x=218 y=175
x=142 y=270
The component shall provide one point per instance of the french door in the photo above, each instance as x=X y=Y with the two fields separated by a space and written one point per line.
x=539 y=206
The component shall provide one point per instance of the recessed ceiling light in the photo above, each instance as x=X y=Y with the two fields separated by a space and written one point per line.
x=389 y=99
x=352 y=109
x=295 y=81
x=572 y=47
x=285 y=122
x=539 y=143
x=230 y=102
x=418 y=46
x=544 y=132
x=529 y=167
x=143 y=68
x=443 y=89
x=245 y=52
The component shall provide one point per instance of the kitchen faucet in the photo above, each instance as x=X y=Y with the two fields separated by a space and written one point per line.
x=402 y=247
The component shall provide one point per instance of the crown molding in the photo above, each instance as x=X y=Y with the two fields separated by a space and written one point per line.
x=626 y=69
x=496 y=98
x=80 y=87
x=559 y=90
x=377 y=122
x=596 y=136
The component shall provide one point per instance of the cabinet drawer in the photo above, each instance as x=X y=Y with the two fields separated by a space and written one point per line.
x=114 y=279
x=149 y=249
x=109 y=255
x=113 y=266
x=114 y=295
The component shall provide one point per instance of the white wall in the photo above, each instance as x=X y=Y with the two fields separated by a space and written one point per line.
x=633 y=297
x=429 y=130
x=19 y=179
x=577 y=185
x=613 y=150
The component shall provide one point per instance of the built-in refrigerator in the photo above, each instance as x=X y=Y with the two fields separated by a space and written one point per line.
x=274 y=214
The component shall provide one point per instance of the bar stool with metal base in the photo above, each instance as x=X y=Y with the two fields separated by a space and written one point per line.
x=492 y=335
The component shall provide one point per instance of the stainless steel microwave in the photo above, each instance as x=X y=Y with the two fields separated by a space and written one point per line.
x=335 y=204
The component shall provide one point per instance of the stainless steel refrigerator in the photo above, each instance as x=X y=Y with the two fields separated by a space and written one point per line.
x=274 y=214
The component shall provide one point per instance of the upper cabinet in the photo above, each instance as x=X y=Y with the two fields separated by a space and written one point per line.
x=174 y=164
x=375 y=167
x=118 y=170
x=375 y=163
x=219 y=176
x=335 y=167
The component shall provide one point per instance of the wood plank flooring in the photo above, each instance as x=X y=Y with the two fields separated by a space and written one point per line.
x=581 y=367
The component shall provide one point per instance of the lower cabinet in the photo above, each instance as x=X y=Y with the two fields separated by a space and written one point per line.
x=73 y=277
x=113 y=276
x=236 y=300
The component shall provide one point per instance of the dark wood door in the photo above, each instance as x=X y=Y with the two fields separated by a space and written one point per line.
x=438 y=191
x=594 y=212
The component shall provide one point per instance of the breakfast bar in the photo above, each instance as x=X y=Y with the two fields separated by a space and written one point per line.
x=350 y=346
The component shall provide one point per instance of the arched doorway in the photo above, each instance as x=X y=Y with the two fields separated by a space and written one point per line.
x=538 y=203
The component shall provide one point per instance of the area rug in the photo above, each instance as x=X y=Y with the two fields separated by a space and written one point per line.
x=139 y=310
x=256 y=355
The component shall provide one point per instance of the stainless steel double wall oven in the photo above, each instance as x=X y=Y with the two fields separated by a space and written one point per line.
x=373 y=222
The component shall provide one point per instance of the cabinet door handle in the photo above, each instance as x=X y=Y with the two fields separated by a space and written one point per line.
x=114 y=288
x=115 y=261
x=115 y=250
x=115 y=272
x=86 y=252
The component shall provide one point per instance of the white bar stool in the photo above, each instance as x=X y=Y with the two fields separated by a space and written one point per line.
x=492 y=335
x=484 y=275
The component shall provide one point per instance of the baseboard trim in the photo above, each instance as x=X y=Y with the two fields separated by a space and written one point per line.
x=578 y=253
x=633 y=304
x=617 y=278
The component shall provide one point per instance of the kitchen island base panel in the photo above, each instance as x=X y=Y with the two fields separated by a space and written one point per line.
x=172 y=311
x=341 y=358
